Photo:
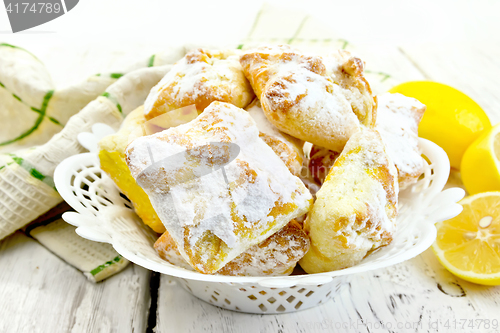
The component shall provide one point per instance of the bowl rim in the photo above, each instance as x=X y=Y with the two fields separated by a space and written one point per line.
x=441 y=169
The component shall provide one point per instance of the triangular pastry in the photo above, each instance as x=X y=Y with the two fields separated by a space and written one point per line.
x=398 y=117
x=355 y=209
x=215 y=216
x=322 y=100
x=201 y=77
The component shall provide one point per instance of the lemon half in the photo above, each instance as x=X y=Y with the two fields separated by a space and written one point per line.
x=468 y=245
x=480 y=167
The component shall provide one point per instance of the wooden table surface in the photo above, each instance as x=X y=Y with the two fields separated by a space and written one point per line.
x=41 y=293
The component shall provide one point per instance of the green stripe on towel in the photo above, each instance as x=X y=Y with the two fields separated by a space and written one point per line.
x=102 y=267
x=33 y=171
x=114 y=100
x=55 y=121
x=19 y=48
x=39 y=120
x=151 y=61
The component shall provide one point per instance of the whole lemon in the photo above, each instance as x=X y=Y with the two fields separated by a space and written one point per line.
x=452 y=119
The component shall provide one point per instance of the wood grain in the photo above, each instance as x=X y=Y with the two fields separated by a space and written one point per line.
x=41 y=293
x=418 y=295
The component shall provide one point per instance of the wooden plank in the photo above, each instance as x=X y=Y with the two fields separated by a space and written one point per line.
x=41 y=293
x=419 y=295
x=471 y=68
x=174 y=303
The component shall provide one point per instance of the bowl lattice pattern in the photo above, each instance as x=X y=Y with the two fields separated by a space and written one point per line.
x=103 y=214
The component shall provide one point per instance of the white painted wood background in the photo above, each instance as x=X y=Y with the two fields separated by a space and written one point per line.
x=41 y=293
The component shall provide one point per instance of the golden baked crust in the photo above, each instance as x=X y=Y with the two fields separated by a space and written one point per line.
x=347 y=71
x=277 y=255
x=212 y=221
x=286 y=152
x=355 y=210
x=167 y=249
x=398 y=118
x=397 y=122
x=201 y=77
x=288 y=148
x=323 y=100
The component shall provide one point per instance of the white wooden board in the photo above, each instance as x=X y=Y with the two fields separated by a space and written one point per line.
x=418 y=295
x=41 y=293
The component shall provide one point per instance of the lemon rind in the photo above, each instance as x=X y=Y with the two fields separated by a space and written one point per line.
x=486 y=279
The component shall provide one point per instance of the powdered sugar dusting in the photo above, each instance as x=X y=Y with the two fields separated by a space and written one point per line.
x=258 y=181
x=398 y=117
x=273 y=259
x=322 y=102
x=263 y=124
x=305 y=99
x=198 y=78
x=288 y=149
x=276 y=255
x=353 y=181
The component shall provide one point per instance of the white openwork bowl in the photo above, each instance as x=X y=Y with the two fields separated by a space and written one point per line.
x=103 y=214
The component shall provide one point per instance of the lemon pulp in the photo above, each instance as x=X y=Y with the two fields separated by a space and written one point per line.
x=468 y=245
x=480 y=169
